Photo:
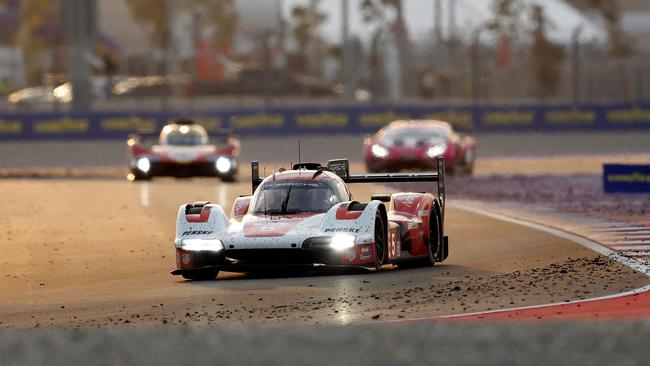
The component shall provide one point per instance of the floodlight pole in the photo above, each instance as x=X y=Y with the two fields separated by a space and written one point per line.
x=575 y=60
x=345 y=51
x=80 y=25
x=437 y=22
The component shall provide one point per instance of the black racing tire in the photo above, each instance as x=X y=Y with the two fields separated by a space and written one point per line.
x=137 y=175
x=435 y=237
x=381 y=241
x=232 y=178
x=469 y=170
x=450 y=170
x=414 y=263
x=468 y=163
x=204 y=275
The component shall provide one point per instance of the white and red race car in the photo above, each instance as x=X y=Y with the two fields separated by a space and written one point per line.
x=183 y=150
x=306 y=218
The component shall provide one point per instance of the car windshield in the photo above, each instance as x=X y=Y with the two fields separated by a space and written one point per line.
x=183 y=136
x=292 y=197
x=429 y=134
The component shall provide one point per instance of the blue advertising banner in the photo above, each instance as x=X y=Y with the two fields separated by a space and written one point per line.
x=621 y=178
x=359 y=119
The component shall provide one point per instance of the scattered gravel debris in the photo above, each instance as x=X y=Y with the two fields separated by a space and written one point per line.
x=581 y=194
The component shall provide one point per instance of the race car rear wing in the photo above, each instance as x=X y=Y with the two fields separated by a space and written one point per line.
x=341 y=167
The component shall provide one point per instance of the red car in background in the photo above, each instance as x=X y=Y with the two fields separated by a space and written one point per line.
x=415 y=145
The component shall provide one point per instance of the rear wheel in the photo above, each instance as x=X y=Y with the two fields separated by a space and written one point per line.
x=204 y=275
x=469 y=162
x=380 y=241
x=138 y=175
x=435 y=237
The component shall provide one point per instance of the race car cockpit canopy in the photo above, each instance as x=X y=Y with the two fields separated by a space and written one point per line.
x=290 y=197
x=183 y=134
x=341 y=167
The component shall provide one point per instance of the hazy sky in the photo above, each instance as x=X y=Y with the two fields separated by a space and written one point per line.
x=470 y=14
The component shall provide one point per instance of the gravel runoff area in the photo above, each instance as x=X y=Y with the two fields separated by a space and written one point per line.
x=570 y=193
x=415 y=344
x=573 y=193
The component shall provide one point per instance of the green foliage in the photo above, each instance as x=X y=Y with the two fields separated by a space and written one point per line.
x=373 y=10
x=153 y=13
x=35 y=15
x=220 y=13
x=620 y=44
x=506 y=17
x=548 y=57
x=306 y=21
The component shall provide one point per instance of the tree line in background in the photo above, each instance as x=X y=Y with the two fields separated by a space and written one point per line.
x=511 y=22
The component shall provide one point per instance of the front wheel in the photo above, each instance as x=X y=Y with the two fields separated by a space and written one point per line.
x=138 y=175
x=231 y=178
x=204 y=275
x=380 y=241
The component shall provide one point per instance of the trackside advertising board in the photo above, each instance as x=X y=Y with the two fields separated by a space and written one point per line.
x=356 y=119
x=622 y=178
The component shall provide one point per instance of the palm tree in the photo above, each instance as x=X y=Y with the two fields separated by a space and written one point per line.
x=222 y=14
x=307 y=19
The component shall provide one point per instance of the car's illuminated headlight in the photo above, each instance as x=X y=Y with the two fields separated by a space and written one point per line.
x=437 y=150
x=223 y=165
x=342 y=242
x=143 y=165
x=379 y=151
x=202 y=245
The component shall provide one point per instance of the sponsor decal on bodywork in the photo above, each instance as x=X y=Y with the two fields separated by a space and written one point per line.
x=342 y=230
x=197 y=232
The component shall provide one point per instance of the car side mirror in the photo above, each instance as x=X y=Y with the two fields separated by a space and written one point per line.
x=240 y=207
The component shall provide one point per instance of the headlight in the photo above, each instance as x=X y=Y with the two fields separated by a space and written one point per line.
x=437 y=150
x=223 y=165
x=342 y=242
x=379 y=151
x=202 y=245
x=143 y=165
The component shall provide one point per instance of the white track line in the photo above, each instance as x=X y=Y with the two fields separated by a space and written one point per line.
x=626 y=242
x=631 y=247
x=590 y=244
x=613 y=228
x=608 y=297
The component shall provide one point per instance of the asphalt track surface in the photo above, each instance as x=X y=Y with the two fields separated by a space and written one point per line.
x=96 y=254
x=320 y=148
